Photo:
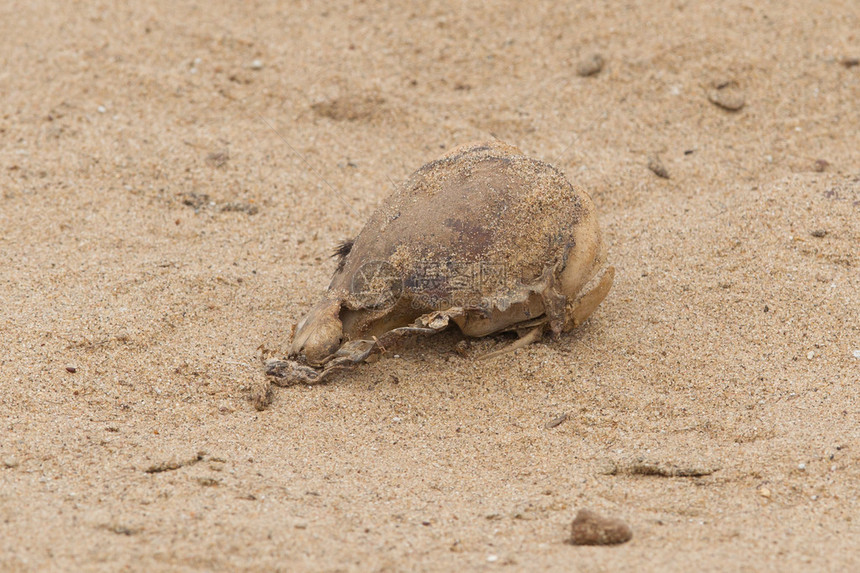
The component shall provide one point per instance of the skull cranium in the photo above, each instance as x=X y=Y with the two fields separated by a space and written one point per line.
x=484 y=237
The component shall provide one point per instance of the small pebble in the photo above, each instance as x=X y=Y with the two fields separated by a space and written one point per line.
x=256 y=65
x=218 y=158
x=590 y=66
x=857 y=354
x=10 y=462
x=589 y=528
x=492 y=558
x=810 y=355
x=850 y=62
x=727 y=95
x=101 y=109
x=657 y=167
x=818 y=233
x=820 y=165
x=71 y=369
x=801 y=467
x=764 y=492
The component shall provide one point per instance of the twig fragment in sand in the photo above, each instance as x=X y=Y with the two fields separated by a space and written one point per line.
x=174 y=464
x=87 y=344
x=120 y=529
x=641 y=467
x=556 y=422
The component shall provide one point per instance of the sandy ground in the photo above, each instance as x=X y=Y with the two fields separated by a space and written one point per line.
x=174 y=176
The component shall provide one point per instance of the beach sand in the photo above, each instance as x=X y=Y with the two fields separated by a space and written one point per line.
x=175 y=175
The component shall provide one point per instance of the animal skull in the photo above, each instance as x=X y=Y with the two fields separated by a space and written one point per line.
x=483 y=237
